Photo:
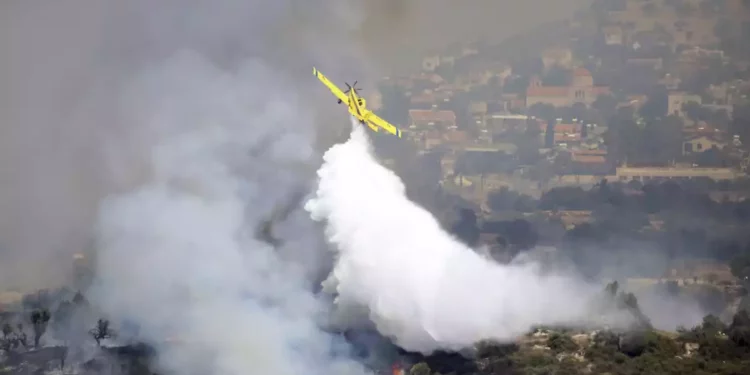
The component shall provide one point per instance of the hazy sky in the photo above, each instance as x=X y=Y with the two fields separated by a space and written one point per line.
x=406 y=29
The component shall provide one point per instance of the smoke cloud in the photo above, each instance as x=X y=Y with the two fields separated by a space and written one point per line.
x=195 y=270
x=422 y=287
x=176 y=129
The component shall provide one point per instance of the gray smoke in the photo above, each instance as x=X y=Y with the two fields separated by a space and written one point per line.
x=195 y=270
x=64 y=142
x=177 y=129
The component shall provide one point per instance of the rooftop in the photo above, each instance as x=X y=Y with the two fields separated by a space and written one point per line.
x=427 y=115
x=581 y=72
x=547 y=91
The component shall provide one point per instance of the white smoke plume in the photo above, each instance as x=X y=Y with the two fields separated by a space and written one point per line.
x=422 y=287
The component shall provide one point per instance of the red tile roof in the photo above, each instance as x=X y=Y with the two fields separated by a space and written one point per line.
x=581 y=72
x=421 y=115
x=572 y=137
x=601 y=90
x=590 y=152
x=456 y=136
x=593 y=159
x=567 y=128
x=423 y=99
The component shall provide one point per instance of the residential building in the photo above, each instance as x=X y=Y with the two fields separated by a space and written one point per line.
x=431 y=119
x=581 y=90
x=557 y=56
x=677 y=99
x=375 y=100
x=701 y=143
x=613 y=35
x=430 y=63
x=499 y=123
x=694 y=32
x=478 y=108
x=644 y=174
x=430 y=99
x=566 y=135
x=651 y=63
x=589 y=156
x=670 y=81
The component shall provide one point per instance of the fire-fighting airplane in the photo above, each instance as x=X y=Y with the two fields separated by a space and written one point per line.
x=358 y=106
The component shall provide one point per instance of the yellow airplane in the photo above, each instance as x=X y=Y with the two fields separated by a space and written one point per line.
x=358 y=106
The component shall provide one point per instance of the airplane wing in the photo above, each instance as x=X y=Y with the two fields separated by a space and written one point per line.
x=335 y=90
x=385 y=125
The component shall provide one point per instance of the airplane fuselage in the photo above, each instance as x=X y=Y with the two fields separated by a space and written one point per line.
x=358 y=108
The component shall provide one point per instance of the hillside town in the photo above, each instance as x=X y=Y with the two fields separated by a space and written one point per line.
x=627 y=91
x=628 y=100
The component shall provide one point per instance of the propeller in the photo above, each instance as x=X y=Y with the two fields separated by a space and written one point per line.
x=350 y=87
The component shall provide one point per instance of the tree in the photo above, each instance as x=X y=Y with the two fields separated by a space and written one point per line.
x=13 y=338
x=739 y=330
x=503 y=199
x=420 y=368
x=628 y=301
x=711 y=8
x=543 y=111
x=6 y=344
x=395 y=104
x=38 y=300
x=740 y=266
x=609 y=5
x=528 y=67
x=556 y=76
x=656 y=105
x=521 y=234
x=685 y=9
x=516 y=84
x=648 y=9
x=560 y=343
x=446 y=71
x=606 y=105
x=672 y=288
x=9 y=341
x=695 y=111
x=101 y=331
x=79 y=300
x=713 y=325
x=612 y=288
x=39 y=320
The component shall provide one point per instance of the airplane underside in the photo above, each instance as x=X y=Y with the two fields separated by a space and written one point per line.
x=369 y=125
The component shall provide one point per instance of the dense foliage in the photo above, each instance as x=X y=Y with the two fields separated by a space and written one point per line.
x=710 y=348
x=675 y=219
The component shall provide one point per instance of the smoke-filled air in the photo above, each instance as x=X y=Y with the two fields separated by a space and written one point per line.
x=198 y=272
x=525 y=186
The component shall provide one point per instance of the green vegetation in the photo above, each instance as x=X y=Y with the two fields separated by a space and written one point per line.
x=710 y=348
